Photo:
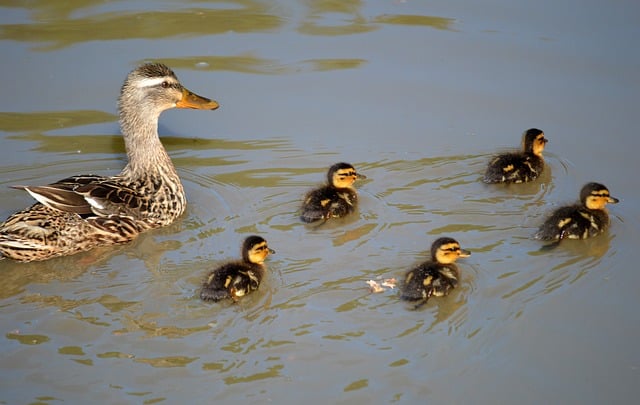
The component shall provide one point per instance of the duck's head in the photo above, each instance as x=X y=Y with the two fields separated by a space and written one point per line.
x=595 y=196
x=447 y=250
x=533 y=141
x=153 y=87
x=343 y=175
x=255 y=250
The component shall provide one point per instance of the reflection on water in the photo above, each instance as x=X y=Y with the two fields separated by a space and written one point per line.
x=256 y=65
x=51 y=120
x=331 y=18
x=57 y=30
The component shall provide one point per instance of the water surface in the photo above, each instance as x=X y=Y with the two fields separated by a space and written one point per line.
x=418 y=97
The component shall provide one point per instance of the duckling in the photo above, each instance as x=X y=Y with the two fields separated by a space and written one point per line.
x=238 y=278
x=335 y=199
x=519 y=167
x=586 y=219
x=435 y=277
x=82 y=212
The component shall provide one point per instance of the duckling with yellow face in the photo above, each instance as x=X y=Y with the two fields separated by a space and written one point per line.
x=437 y=276
x=519 y=167
x=586 y=219
x=238 y=278
x=335 y=199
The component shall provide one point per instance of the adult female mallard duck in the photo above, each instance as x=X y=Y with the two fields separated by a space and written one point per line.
x=81 y=212
x=239 y=278
x=335 y=199
x=435 y=277
x=579 y=221
x=519 y=167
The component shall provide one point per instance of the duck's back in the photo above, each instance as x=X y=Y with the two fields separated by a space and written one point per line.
x=514 y=168
x=573 y=222
x=40 y=232
x=429 y=279
x=328 y=201
x=233 y=276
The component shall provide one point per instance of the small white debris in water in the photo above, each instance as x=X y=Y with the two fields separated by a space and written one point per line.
x=377 y=287
x=374 y=286
x=389 y=282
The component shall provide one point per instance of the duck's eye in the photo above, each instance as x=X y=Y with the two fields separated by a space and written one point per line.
x=165 y=84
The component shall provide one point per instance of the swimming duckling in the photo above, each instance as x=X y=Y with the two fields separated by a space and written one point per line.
x=519 y=167
x=238 y=278
x=437 y=276
x=335 y=199
x=580 y=221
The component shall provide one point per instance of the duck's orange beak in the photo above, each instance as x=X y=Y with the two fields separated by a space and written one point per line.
x=192 y=100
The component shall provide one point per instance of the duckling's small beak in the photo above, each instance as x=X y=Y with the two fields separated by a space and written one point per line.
x=464 y=253
x=271 y=251
x=192 y=100
x=545 y=140
x=612 y=200
x=360 y=176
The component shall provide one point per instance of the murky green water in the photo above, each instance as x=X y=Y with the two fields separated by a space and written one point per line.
x=418 y=97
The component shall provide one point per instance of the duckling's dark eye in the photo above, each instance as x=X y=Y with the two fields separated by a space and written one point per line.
x=165 y=84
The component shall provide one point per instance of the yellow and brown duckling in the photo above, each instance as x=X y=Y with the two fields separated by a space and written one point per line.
x=519 y=167
x=586 y=219
x=437 y=276
x=86 y=211
x=238 y=278
x=335 y=199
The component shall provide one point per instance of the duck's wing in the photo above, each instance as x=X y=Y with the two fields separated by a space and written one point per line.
x=88 y=195
x=113 y=198
x=62 y=196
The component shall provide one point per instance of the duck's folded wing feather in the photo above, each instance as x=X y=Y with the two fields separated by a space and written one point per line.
x=61 y=195
x=87 y=195
x=111 y=198
x=59 y=198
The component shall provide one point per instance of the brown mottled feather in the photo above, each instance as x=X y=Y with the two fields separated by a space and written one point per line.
x=82 y=212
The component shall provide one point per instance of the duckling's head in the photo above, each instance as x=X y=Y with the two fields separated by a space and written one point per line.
x=447 y=250
x=255 y=250
x=595 y=196
x=343 y=175
x=152 y=88
x=533 y=141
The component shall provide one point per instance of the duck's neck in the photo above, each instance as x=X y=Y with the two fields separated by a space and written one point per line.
x=146 y=154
